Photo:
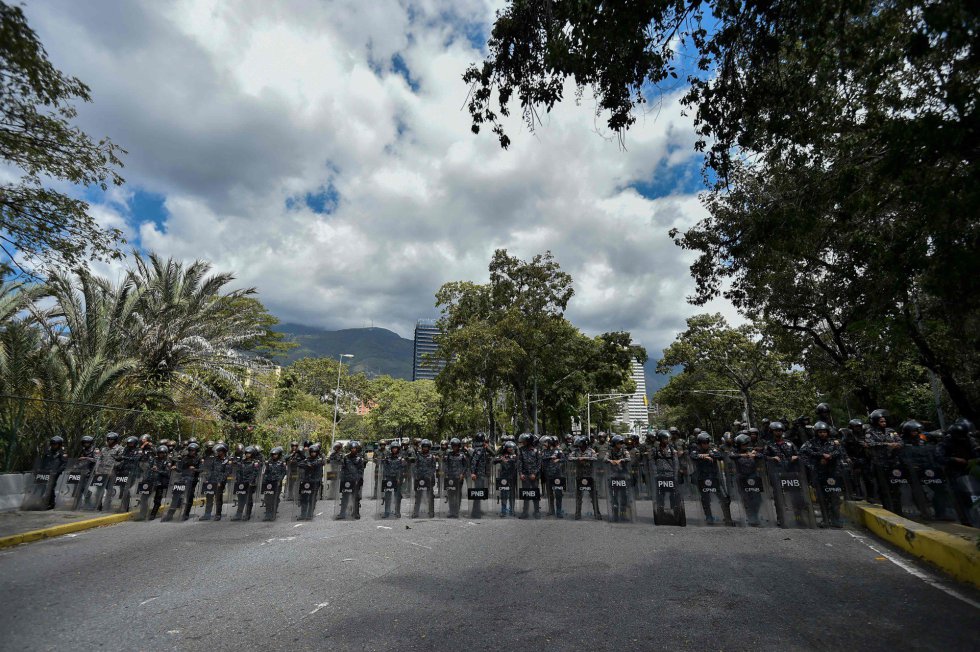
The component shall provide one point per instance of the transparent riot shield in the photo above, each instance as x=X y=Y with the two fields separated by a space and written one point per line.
x=928 y=484
x=332 y=479
x=506 y=491
x=619 y=493
x=39 y=489
x=123 y=489
x=389 y=503
x=99 y=486
x=453 y=491
x=708 y=500
x=895 y=492
x=78 y=490
x=791 y=494
x=307 y=494
x=348 y=503
x=479 y=495
x=292 y=476
x=753 y=492
x=182 y=490
x=529 y=496
x=423 y=500
x=70 y=486
x=586 y=489
x=831 y=490
x=668 y=500
x=555 y=489
x=270 y=490
x=966 y=492
x=244 y=496
x=145 y=491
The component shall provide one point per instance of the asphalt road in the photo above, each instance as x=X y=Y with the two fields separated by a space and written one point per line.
x=490 y=584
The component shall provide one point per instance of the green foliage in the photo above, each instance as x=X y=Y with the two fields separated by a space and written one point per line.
x=501 y=339
x=840 y=148
x=37 y=107
x=406 y=409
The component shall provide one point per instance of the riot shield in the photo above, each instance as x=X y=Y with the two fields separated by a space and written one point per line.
x=423 y=500
x=619 y=494
x=270 y=489
x=753 y=493
x=506 y=491
x=928 y=483
x=123 y=490
x=244 y=495
x=217 y=492
x=586 y=490
x=71 y=485
x=348 y=503
x=477 y=495
x=966 y=491
x=292 y=477
x=668 y=501
x=894 y=482
x=556 y=488
x=99 y=486
x=307 y=494
x=791 y=494
x=39 y=489
x=708 y=499
x=332 y=479
x=529 y=493
x=182 y=489
x=146 y=489
x=453 y=490
x=389 y=503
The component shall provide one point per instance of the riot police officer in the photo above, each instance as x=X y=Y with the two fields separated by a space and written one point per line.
x=583 y=457
x=618 y=459
x=311 y=477
x=215 y=471
x=823 y=457
x=352 y=470
x=424 y=468
x=705 y=458
x=160 y=469
x=272 y=477
x=479 y=470
x=745 y=458
x=454 y=470
x=529 y=468
x=246 y=478
x=393 y=468
x=884 y=448
x=552 y=469
x=507 y=471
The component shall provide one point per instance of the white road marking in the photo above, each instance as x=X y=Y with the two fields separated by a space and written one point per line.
x=383 y=527
x=173 y=631
x=319 y=607
x=418 y=544
x=150 y=600
x=299 y=525
x=915 y=572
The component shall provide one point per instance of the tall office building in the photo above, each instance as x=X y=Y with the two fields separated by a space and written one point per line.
x=634 y=411
x=423 y=368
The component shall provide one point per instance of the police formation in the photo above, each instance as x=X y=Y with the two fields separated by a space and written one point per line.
x=752 y=477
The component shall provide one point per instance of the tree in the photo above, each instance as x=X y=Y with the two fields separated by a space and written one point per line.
x=37 y=106
x=406 y=409
x=509 y=339
x=738 y=355
x=267 y=342
x=839 y=147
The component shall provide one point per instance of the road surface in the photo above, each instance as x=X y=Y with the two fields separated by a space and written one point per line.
x=490 y=584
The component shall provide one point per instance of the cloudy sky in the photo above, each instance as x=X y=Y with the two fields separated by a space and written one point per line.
x=318 y=149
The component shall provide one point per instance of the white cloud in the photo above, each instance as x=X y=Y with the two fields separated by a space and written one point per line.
x=234 y=111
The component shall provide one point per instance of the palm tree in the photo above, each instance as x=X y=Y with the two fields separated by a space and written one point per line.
x=22 y=357
x=181 y=330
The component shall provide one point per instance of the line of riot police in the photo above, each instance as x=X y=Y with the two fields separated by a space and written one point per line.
x=754 y=478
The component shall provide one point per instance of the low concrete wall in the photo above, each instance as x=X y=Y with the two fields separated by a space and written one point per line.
x=12 y=490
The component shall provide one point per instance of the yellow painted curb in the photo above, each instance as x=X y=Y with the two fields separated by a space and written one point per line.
x=69 y=528
x=956 y=555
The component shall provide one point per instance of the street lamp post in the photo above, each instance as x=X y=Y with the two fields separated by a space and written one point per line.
x=336 y=398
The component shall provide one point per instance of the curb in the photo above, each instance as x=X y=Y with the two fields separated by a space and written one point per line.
x=69 y=528
x=955 y=555
x=60 y=530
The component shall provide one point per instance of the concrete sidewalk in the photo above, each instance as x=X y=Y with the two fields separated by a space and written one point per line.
x=24 y=527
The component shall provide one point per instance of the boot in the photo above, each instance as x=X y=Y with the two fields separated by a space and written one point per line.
x=169 y=516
